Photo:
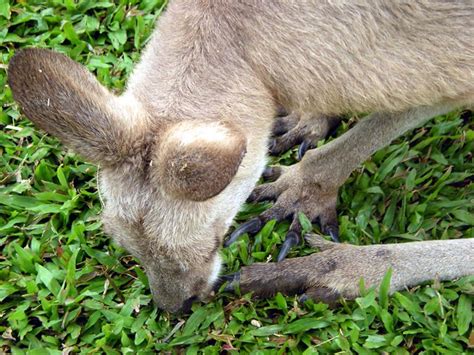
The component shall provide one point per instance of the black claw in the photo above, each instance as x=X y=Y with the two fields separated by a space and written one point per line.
x=333 y=232
x=268 y=172
x=303 y=298
x=265 y=192
x=232 y=280
x=291 y=240
x=221 y=280
x=272 y=144
x=271 y=173
x=303 y=148
x=252 y=227
x=252 y=197
x=334 y=236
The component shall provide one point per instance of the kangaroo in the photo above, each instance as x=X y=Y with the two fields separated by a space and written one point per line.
x=183 y=147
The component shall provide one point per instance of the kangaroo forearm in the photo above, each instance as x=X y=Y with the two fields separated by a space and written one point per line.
x=347 y=152
x=337 y=270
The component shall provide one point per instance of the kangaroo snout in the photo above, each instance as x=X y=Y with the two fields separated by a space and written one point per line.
x=175 y=287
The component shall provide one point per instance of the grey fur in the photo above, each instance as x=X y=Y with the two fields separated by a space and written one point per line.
x=215 y=64
x=336 y=271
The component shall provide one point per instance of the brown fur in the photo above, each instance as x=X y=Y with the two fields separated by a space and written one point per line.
x=198 y=170
x=238 y=62
x=64 y=99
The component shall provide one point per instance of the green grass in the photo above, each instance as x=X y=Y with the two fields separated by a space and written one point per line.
x=65 y=287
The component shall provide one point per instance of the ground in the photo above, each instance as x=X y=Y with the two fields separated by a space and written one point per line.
x=66 y=288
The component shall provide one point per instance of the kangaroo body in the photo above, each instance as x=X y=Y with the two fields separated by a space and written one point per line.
x=325 y=57
x=182 y=148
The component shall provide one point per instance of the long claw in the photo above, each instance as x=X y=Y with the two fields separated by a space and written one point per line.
x=303 y=298
x=223 y=279
x=328 y=221
x=271 y=173
x=268 y=172
x=334 y=236
x=291 y=240
x=333 y=232
x=233 y=281
x=252 y=226
x=272 y=144
x=303 y=148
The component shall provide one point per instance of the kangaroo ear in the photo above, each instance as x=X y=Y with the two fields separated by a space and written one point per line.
x=63 y=98
x=197 y=160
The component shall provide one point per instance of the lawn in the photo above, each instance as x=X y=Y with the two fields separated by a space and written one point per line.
x=66 y=288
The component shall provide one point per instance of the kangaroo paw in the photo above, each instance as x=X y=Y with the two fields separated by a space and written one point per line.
x=312 y=276
x=305 y=130
x=292 y=194
x=327 y=276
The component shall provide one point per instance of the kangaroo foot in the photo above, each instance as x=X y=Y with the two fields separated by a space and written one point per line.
x=304 y=129
x=335 y=272
x=294 y=192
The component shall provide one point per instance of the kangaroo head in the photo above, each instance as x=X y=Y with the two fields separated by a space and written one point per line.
x=170 y=189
